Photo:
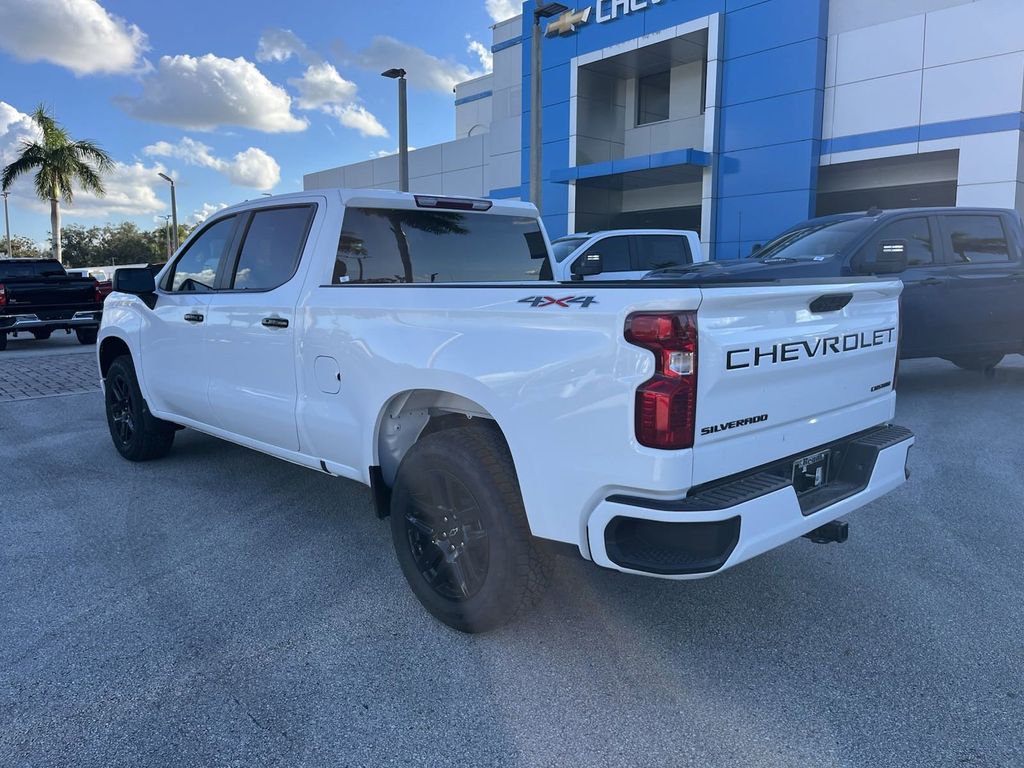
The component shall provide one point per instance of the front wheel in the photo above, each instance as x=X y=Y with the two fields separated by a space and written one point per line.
x=86 y=335
x=137 y=434
x=460 y=531
x=977 y=362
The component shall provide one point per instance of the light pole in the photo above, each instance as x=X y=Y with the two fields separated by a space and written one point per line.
x=542 y=11
x=403 y=128
x=167 y=229
x=7 y=226
x=174 y=209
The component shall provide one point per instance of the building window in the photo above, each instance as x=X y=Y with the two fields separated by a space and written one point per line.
x=652 y=98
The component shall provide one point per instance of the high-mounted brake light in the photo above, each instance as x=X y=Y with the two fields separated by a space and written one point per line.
x=666 y=404
x=452 y=203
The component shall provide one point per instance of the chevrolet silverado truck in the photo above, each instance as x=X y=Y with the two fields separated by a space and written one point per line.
x=411 y=343
x=962 y=270
x=623 y=254
x=38 y=297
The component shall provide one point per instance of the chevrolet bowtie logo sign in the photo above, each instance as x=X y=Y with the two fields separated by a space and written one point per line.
x=568 y=22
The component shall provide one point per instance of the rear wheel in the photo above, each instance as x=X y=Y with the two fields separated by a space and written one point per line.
x=460 y=530
x=42 y=335
x=977 y=362
x=86 y=335
x=137 y=434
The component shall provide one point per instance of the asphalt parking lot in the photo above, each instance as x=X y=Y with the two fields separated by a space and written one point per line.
x=220 y=607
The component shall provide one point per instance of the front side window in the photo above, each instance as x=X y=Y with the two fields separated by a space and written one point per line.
x=196 y=269
x=917 y=235
x=614 y=254
x=652 y=98
x=272 y=247
x=564 y=246
x=977 y=239
x=661 y=251
x=386 y=245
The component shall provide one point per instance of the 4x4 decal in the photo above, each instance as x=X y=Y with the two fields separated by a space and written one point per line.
x=565 y=301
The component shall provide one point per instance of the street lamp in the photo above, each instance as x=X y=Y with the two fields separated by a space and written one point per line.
x=167 y=231
x=7 y=225
x=403 y=128
x=542 y=11
x=174 y=209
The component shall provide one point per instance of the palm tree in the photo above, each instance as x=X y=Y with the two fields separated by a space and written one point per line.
x=58 y=162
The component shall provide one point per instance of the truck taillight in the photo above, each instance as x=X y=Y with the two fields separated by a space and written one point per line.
x=98 y=294
x=666 y=404
x=3 y=295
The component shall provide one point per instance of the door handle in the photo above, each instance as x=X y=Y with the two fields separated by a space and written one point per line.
x=275 y=322
x=194 y=317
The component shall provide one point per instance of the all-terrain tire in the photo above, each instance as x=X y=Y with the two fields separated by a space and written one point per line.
x=977 y=362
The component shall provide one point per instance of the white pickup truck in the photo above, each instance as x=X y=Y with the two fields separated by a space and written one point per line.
x=623 y=254
x=414 y=344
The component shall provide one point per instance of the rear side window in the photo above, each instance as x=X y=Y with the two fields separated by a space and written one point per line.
x=383 y=245
x=272 y=247
x=661 y=251
x=977 y=239
x=11 y=270
x=614 y=254
x=196 y=270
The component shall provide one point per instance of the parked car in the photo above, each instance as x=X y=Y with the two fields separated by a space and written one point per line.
x=623 y=254
x=38 y=296
x=410 y=342
x=962 y=270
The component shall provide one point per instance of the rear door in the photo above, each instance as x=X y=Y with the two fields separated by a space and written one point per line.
x=251 y=327
x=653 y=251
x=173 y=349
x=984 y=302
x=778 y=373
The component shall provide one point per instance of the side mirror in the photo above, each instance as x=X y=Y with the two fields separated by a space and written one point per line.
x=889 y=259
x=138 y=281
x=588 y=264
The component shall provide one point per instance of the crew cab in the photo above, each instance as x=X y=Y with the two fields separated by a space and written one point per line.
x=962 y=271
x=623 y=254
x=418 y=345
x=38 y=297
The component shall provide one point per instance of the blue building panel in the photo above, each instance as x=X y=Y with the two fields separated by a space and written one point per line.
x=758 y=218
x=761 y=170
x=757 y=28
x=774 y=72
x=777 y=120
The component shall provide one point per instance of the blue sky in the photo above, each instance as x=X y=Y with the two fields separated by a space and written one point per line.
x=231 y=98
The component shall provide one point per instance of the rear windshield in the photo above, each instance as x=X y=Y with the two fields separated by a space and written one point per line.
x=384 y=245
x=816 y=241
x=563 y=247
x=10 y=270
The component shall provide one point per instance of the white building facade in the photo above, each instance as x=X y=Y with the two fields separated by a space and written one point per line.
x=738 y=118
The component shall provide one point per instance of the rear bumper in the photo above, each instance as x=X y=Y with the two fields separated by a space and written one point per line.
x=725 y=523
x=15 y=323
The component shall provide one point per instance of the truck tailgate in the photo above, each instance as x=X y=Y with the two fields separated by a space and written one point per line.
x=785 y=368
x=60 y=295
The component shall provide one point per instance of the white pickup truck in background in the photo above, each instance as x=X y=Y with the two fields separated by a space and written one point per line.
x=625 y=254
x=419 y=345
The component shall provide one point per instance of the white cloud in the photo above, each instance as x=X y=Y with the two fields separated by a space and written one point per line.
x=278 y=44
x=205 y=212
x=15 y=128
x=358 y=118
x=132 y=189
x=425 y=70
x=252 y=167
x=387 y=152
x=504 y=9
x=321 y=84
x=205 y=92
x=77 y=34
x=482 y=52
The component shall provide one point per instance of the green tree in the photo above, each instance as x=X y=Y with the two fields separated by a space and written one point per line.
x=22 y=248
x=58 y=163
x=80 y=246
x=125 y=243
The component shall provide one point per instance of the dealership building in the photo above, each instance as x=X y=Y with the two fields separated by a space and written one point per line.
x=737 y=118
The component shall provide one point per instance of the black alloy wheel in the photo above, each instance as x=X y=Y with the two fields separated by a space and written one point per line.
x=119 y=399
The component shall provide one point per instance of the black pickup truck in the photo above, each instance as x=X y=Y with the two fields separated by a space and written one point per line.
x=962 y=271
x=38 y=297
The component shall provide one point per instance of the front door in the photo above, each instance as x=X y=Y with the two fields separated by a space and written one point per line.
x=173 y=348
x=251 y=328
